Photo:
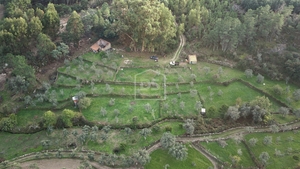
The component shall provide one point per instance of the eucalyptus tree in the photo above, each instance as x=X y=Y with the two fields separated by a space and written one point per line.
x=51 y=21
x=147 y=25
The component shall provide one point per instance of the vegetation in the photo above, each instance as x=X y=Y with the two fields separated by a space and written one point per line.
x=248 y=75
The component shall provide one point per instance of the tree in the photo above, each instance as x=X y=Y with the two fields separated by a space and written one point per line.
x=111 y=102
x=50 y=118
x=296 y=95
x=261 y=101
x=51 y=21
x=142 y=157
x=274 y=128
x=198 y=106
x=106 y=129
x=145 y=132
x=297 y=113
x=147 y=107
x=84 y=103
x=248 y=73
x=127 y=130
x=253 y=141
x=67 y=115
x=179 y=151
x=260 y=78
x=103 y=111
x=182 y=105
x=24 y=70
x=35 y=27
x=45 y=144
x=147 y=25
x=233 y=113
x=167 y=140
x=61 y=51
x=267 y=140
x=189 y=126
x=277 y=89
x=74 y=28
x=45 y=46
x=264 y=157
x=18 y=84
x=222 y=143
x=284 y=111
x=17 y=8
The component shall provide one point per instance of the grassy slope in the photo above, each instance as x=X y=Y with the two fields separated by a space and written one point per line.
x=285 y=161
x=225 y=154
x=160 y=157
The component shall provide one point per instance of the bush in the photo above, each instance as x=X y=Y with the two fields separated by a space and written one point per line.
x=67 y=116
x=84 y=103
x=156 y=128
x=168 y=128
x=296 y=157
x=277 y=89
x=50 y=118
x=8 y=123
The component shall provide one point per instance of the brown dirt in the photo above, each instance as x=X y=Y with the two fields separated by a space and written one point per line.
x=62 y=163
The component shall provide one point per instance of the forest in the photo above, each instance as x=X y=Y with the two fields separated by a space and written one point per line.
x=247 y=76
x=258 y=35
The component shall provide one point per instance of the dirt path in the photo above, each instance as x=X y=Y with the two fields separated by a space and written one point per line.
x=237 y=133
x=215 y=164
x=178 y=51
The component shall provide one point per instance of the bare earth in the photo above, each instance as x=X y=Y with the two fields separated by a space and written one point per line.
x=62 y=163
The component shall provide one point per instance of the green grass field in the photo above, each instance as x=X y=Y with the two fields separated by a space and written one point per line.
x=287 y=143
x=225 y=154
x=160 y=157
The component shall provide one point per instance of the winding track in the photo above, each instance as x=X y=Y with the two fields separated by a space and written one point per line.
x=178 y=51
x=230 y=133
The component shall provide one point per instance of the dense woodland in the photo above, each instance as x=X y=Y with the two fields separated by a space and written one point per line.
x=262 y=35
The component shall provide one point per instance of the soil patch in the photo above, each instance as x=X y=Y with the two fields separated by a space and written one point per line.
x=53 y=164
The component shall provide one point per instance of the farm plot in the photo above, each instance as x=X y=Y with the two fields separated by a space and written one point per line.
x=233 y=152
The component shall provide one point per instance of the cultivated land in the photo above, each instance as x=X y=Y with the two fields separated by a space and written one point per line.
x=150 y=92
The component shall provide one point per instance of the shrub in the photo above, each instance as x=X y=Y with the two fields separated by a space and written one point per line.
x=156 y=128
x=168 y=128
x=277 y=89
x=66 y=116
x=50 y=118
x=84 y=103
x=8 y=123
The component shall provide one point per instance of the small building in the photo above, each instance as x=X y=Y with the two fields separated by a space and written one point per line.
x=100 y=45
x=192 y=59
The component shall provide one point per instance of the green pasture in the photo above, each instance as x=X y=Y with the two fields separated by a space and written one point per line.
x=283 y=119
x=287 y=143
x=225 y=154
x=171 y=106
x=134 y=141
x=111 y=58
x=15 y=145
x=122 y=104
x=160 y=157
